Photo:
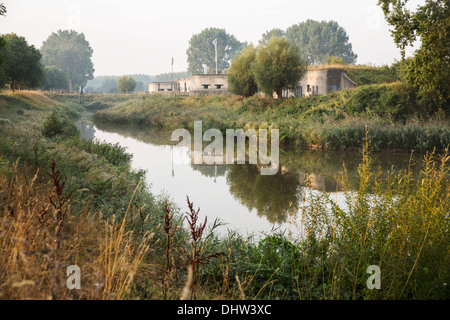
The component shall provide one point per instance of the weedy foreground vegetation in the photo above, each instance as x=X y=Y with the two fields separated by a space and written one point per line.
x=65 y=201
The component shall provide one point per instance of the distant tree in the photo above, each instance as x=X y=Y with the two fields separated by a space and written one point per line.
x=334 y=60
x=54 y=79
x=278 y=66
x=319 y=40
x=202 y=51
x=21 y=63
x=126 y=84
x=241 y=80
x=276 y=32
x=70 y=51
x=429 y=69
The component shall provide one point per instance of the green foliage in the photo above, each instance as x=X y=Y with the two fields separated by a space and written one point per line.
x=278 y=66
x=126 y=84
x=202 y=51
x=57 y=125
x=363 y=75
x=241 y=80
x=276 y=32
x=54 y=79
x=319 y=40
x=334 y=60
x=21 y=62
x=385 y=100
x=429 y=69
x=71 y=52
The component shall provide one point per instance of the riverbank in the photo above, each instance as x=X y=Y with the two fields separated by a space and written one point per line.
x=399 y=224
x=337 y=121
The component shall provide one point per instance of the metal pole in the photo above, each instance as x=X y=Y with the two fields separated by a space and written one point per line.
x=172 y=78
x=216 y=54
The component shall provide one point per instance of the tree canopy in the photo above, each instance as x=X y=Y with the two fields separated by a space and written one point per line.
x=429 y=69
x=21 y=62
x=54 y=79
x=71 y=52
x=241 y=80
x=202 y=50
x=319 y=40
x=126 y=84
x=275 y=32
x=278 y=66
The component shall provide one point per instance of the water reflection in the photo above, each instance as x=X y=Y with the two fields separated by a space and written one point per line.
x=269 y=195
x=239 y=194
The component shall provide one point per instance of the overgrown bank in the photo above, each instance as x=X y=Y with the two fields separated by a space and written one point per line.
x=335 y=121
x=399 y=224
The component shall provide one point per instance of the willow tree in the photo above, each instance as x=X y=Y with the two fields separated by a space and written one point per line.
x=241 y=80
x=278 y=66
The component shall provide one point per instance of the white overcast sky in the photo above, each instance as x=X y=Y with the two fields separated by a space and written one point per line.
x=130 y=37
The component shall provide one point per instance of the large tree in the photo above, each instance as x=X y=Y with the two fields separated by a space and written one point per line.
x=278 y=66
x=319 y=40
x=241 y=80
x=202 y=50
x=70 y=51
x=429 y=69
x=21 y=62
x=275 y=32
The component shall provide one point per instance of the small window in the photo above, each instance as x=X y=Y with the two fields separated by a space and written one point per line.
x=219 y=86
x=308 y=88
x=205 y=86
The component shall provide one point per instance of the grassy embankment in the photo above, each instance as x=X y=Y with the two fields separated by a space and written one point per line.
x=47 y=223
x=334 y=121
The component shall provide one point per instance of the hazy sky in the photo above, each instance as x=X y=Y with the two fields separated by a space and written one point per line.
x=132 y=36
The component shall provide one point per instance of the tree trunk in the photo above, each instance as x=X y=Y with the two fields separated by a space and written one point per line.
x=12 y=85
x=279 y=93
x=70 y=86
x=81 y=92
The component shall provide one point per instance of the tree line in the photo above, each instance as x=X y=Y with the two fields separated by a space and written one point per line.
x=64 y=60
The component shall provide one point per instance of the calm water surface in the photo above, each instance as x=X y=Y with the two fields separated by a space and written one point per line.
x=238 y=195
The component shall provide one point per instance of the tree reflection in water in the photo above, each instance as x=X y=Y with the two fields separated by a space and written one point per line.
x=269 y=195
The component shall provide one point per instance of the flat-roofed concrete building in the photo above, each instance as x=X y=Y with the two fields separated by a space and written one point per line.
x=160 y=87
x=197 y=85
x=317 y=81
x=321 y=80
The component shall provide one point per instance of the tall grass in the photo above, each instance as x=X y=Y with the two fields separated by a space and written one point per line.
x=38 y=243
x=399 y=223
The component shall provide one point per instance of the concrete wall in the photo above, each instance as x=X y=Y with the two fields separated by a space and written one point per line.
x=159 y=87
x=321 y=81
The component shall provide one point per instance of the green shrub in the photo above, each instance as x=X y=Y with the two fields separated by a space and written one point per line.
x=57 y=125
